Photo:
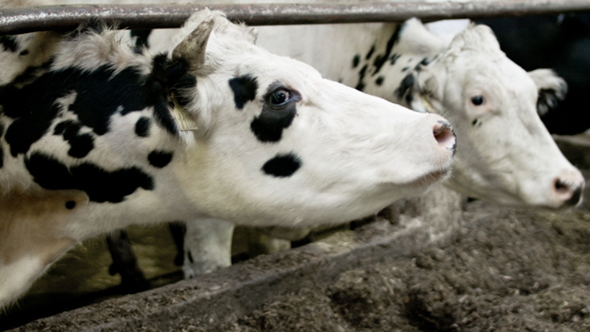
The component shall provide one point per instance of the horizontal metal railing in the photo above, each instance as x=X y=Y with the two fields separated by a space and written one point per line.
x=21 y=20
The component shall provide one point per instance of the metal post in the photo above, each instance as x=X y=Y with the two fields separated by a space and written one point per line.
x=21 y=20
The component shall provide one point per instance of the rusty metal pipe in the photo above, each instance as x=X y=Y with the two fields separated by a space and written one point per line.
x=21 y=20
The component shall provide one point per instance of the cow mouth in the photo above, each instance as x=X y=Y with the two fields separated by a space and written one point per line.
x=431 y=178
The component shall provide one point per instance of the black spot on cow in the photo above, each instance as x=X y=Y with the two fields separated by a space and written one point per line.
x=361 y=84
x=9 y=43
x=142 y=127
x=244 y=88
x=370 y=53
x=425 y=62
x=80 y=145
x=405 y=68
x=160 y=159
x=141 y=39
x=405 y=88
x=379 y=80
x=100 y=185
x=356 y=60
x=394 y=58
x=382 y=58
x=269 y=125
x=474 y=122
x=168 y=77
x=282 y=165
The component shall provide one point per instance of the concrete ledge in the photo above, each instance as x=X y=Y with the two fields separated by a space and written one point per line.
x=242 y=288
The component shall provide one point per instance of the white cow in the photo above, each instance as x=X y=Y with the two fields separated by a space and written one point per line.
x=268 y=141
x=504 y=154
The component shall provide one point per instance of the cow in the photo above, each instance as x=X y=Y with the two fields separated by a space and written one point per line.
x=505 y=154
x=219 y=128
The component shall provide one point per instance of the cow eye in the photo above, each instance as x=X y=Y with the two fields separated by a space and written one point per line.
x=280 y=97
x=477 y=100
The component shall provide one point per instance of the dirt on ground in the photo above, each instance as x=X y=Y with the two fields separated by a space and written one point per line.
x=505 y=270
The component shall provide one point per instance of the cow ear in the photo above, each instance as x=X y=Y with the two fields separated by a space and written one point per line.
x=551 y=88
x=192 y=48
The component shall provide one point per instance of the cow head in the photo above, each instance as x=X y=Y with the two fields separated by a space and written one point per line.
x=280 y=141
x=505 y=154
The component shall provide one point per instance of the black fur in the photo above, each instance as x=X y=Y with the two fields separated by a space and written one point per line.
x=80 y=145
x=100 y=185
x=244 y=88
x=405 y=88
x=163 y=80
x=356 y=60
x=160 y=159
x=142 y=127
x=141 y=39
x=370 y=53
x=282 y=165
x=394 y=58
x=9 y=43
x=379 y=80
x=361 y=84
x=382 y=58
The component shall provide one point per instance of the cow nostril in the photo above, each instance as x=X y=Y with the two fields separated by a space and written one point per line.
x=444 y=135
x=561 y=187
x=570 y=194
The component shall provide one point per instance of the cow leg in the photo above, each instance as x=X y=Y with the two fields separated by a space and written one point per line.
x=178 y=231
x=207 y=246
x=260 y=243
x=125 y=263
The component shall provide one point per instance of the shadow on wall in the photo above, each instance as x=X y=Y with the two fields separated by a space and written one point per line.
x=560 y=42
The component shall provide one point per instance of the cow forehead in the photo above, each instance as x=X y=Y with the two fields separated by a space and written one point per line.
x=269 y=68
x=486 y=70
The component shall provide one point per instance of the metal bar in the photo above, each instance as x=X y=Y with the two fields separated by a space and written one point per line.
x=21 y=20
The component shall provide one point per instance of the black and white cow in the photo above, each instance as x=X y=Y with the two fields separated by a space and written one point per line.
x=505 y=153
x=221 y=128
